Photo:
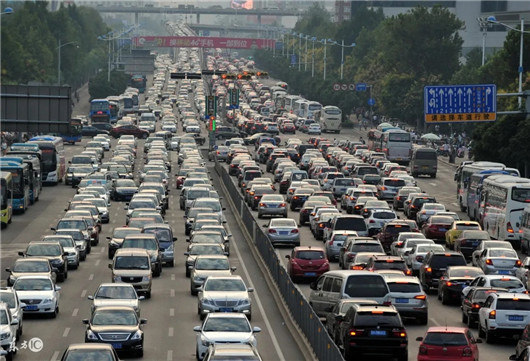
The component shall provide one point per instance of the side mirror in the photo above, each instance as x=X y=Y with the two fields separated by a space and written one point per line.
x=313 y=285
x=57 y=288
x=14 y=322
x=250 y=289
x=265 y=225
x=65 y=254
x=90 y=297
x=256 y=329
x=110 y=265
x=175 y=239
x=21 y=253
x=419 y=339
x=143 y=321
x=126 y=207
x=85 y=321
x=339 y=317
x=287 y=256
x=187 y=239
x=52 y=228
x=8 y=269
x=186 y=253
x=478 y=340
x=197 y=328
x=223 y=209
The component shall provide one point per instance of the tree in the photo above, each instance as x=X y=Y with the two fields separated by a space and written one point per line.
x=100 y=87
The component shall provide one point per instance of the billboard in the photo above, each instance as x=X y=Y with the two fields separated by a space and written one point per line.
x=201 y=42
x=242 y=4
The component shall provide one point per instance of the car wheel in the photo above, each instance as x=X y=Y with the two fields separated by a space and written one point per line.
x=148 y=294
x=465 y=318
x=187 y=272
x=144 y=136
x=193 y=291
x=471 y=323
x=140 y=352
x=445 y=298
x=423 y=320
x=481 y=332
x=171 y=264
x=259 y=215
x=490 y=339
x=55 y=312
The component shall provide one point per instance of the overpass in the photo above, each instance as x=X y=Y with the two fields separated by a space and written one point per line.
x=198 y=11
x=230 y=28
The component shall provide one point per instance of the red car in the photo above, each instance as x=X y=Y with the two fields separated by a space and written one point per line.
x=436 y=226
x=448 y=343
x=129 y=129
x=307 y=263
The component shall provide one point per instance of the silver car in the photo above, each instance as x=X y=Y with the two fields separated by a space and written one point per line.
x=116 y=294
x=224 y=294
x=283 y=231
x=206 y=266
x=272 y=205
x=499 y=261
x=414 y=259
x=69 y=247
x=224 y=328
x=407 y=295
x=39 y=293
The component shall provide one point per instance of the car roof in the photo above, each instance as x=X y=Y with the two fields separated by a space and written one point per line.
x=447 y=329
x=131 y=252
x=308 y=248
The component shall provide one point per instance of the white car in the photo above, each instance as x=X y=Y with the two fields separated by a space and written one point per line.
x=8 y=329
x=314 y=129
x=512 y=283
x=116 y=294
x=500 y=261
x=400 y=241
x=9 y=296
x=503 y=314
x=39 y=293
x=377 y=219
x=414 y=259
x=408 y=244
x=224 y=328
x=523 y=272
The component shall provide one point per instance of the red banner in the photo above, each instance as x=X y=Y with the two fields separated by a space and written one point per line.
x=202 y=42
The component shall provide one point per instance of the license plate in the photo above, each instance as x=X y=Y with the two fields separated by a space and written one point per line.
x=225 y=309
x=30 y=308
x=424 y=167
x=402 y=300
x=378 y=333
x=474 y=243
x=442 y=229
x=283 y=232
x=504 y=272
x=117 y=346
x=515 y=318
x=310 y=274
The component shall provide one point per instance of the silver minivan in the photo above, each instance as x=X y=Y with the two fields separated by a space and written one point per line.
x=335 y=285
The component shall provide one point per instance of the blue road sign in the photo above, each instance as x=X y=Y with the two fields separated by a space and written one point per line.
x=293 y=59
x=371 y=101
x=360 y=87
x=460 y=103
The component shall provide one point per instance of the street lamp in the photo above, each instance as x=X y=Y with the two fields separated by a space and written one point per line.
x=110 y=38
x=332 y=42
x=7 y=11
x=342 y=57
x=299 y=50
x=59 y=58
x=493 y=20
x=484 y=25
x=305 y=58
x=313 y=58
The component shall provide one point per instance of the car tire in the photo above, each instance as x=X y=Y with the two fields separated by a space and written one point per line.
x=490 y=339
x=423 y=320
x=55 y=312
x=259 y=215
x=465 y=318
x=144 y=136
x=481 y=332
x=171 y=264
x=140 y=352
x=445 y=298
x=148 y=294
x=188 y=273
x=471 y=323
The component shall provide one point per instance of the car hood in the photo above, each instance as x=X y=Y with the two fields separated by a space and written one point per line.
x=18 y=274
x=223 y=336
x=32 y=294
x=206 y=273
x=224 y=295
x=99 y=302
x=113 y=328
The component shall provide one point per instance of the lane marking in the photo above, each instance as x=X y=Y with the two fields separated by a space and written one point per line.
x=169 y=355
x=91 y=277
x=170 y=332
x=173 y=277
x=83 y=294
x=55 y=356
x=172 y=293
x=172 y=312
x=74 y=313
x=66 y=332
x=97 y=261
x=454 y=204
x=102 y=250
x=433 y=184
x=435 y=322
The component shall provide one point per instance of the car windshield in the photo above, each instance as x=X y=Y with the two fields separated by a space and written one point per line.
x=224 y=285
x=217 y=324
x=4 y=320
x=147 y=203
x=404 y=287
x=131 y=262
x=75 y=224
x=369 y=319
x=213 y=205
x=76 y=234
x=8 y=298
x=506 y=283
x=163 y=235
x=114 y=317
x=46 y=250
x=508 y=253
x=149 y=244
x=207 y=238
x=33 y=284
x=116 y=292
x=211 y=264
x=445 y=339
x=193 y=194
x=64 y=241
x=310 y=255
x=124 y=183
x=84 y=355
x=80 y=169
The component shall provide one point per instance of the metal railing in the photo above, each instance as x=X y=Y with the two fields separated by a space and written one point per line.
x=303 y=314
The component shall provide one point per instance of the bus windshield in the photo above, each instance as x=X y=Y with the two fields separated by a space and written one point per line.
x=521 y=195
x=99 y=106
x=332 y=111
x=399 y=137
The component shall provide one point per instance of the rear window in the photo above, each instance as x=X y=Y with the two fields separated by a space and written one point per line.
x=404 y=287
x=345 y=182
x=384 y=215
x=506 y=283
x=367 y=170
x=426 y=154
x=366 y=286
x=350 y=224
x=370 y=319
x=390 y=264
x=443 y=261
x=394 y=182
x=445 y=339
x=395 y=229
x=513 y=304
x=367 y=247
x=310 y=255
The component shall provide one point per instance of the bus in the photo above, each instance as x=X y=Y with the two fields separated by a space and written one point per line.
x=53 y=160
x=283 y=85
x=502 y=202
x=474 y=188
x=6 y=198
x=330 y=119
x=139 y=82
x=463 y=174
x=20 y=176
x=289 y=102
x=35 y=182
x=126 y=106
x=396 y=143
x=298 y=106
x=99 y=111
x=307 y=109
x=74 y=132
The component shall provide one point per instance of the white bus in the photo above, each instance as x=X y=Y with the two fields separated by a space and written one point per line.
x=308 y=109
x=289 y=102
x=503 y=200
x=298 y=106
x=463 y=176
x=53 y=158
x=330 y=119
x=397 y=145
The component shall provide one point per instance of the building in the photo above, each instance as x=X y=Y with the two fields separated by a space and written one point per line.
x=342 y=11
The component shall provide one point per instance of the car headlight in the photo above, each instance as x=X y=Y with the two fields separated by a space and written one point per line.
x=146 y=278
x=170 y=248
x=5 y=335
x=137 y=335
x=153 y=257
x=205 y=341
x=47 y=300
x=244 y=302
x=117 y=278
x=91 y=335
x=207 y=301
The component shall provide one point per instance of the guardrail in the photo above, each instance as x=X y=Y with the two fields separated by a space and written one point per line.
x=308 y=321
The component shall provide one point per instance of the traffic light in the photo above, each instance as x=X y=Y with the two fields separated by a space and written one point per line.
x=212 y=124
x=186 y=75
x=262 y=74
x=245 y=75
x=228 y=76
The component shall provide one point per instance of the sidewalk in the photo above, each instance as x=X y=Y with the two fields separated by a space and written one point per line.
x=83 y=106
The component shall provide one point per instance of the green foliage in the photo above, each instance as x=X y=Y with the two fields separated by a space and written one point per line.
x=30 y=40
x=100 y=87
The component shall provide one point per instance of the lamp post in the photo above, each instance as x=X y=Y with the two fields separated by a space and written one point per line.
x=7 y=11
x=59 y=59
x=299 y=51
x=305 y=59
x=332 y=42
x=313 y=58
x=342 y=57
x=484 y=24
x=108 y=37
x=493 y=20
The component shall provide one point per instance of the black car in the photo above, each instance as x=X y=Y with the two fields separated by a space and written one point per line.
x=90 y=131
x=95 y=351
x=434 y=266
x=118 y=326
x=123 y=189
x=453 y=280
x=222 y=132
x=299 y=199
x=373 y=329
x=473 y=302
x=53 y=252
x=103 y=126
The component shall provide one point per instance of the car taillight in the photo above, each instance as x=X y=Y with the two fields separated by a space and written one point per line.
x=492 y=315
x=356 y=332
x=467 y=351
x=509 y=227
x=272 y=231
x=295 y=197
x=475 y=306
x=383 y=188
x=518 y=263
x=398 y=198
x=407 y=272
x=419 y=258
x=400 y=334
x=322 y=225
x=449 y=283
x=282 y=204
x=371 y=221
x=256 y=197
x=218 y=152
x=423 y=350
x=262 y=205
x=489 y=261
x=357 y=268
x=428 y=269
x=420 y=297
x=294 y=231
